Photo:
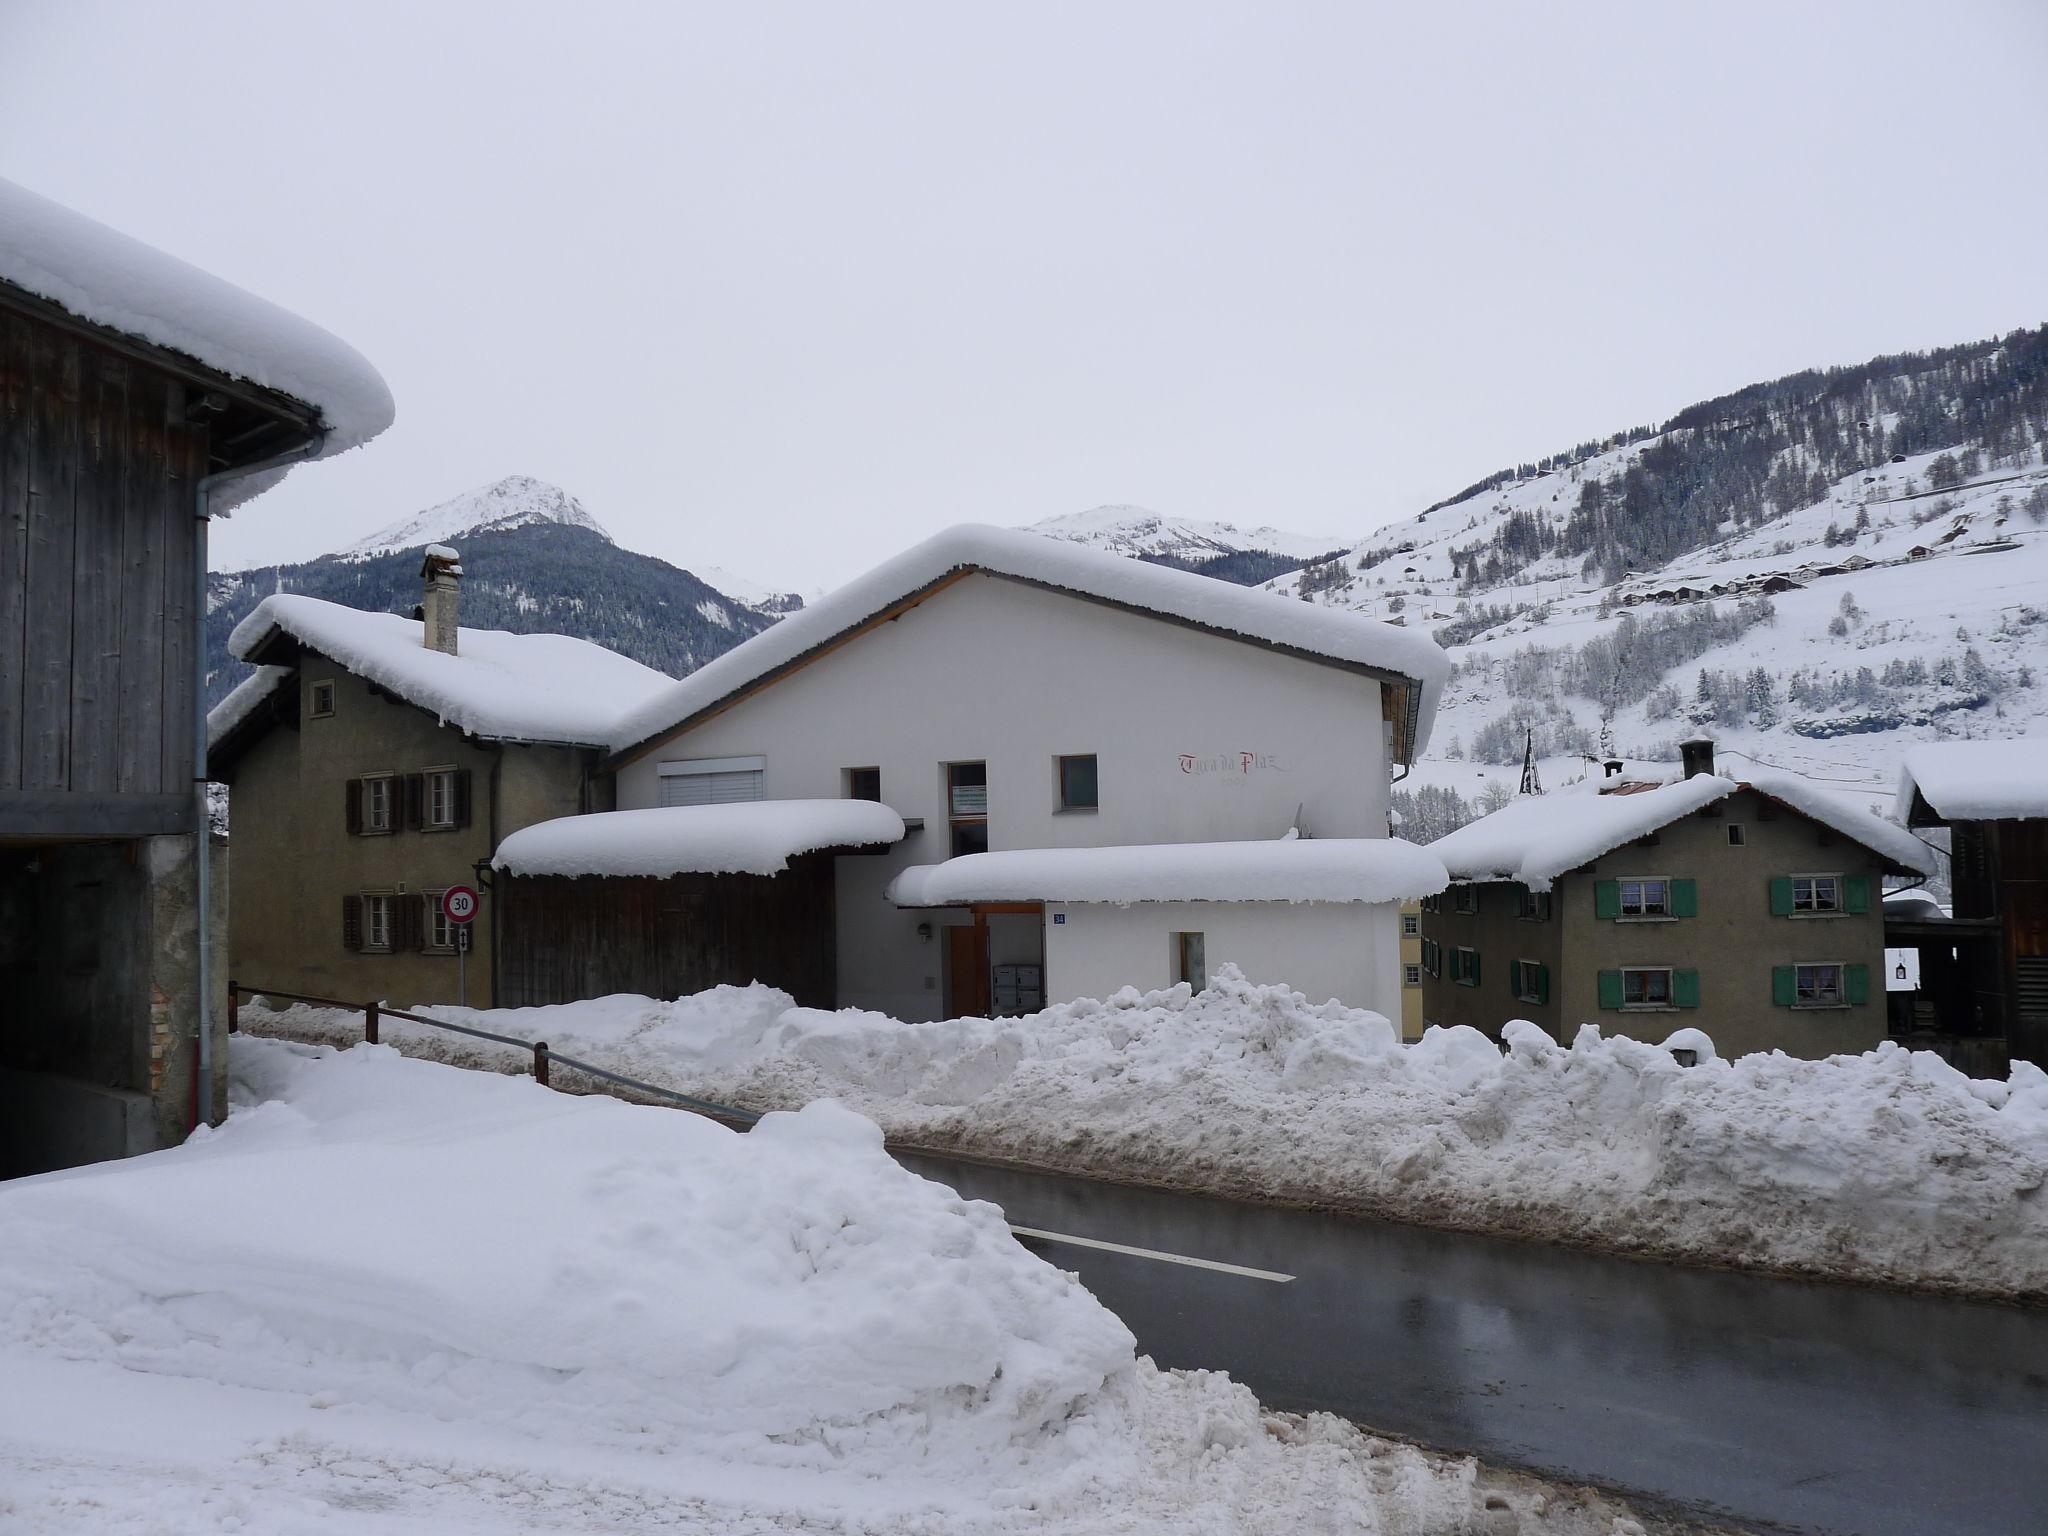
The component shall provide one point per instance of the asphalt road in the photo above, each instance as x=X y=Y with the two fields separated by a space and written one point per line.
x=1767 y=1404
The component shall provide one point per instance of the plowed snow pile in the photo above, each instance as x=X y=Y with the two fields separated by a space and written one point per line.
x=392 y=1296
x=1887 y=1166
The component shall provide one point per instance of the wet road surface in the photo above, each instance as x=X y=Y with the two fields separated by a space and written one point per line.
x=1769 y=1404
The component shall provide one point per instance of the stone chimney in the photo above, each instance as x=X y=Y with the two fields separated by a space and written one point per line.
x=1697 y=755
x=442 y=573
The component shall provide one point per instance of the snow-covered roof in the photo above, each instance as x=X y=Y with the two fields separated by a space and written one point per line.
x=1535 y=838
x=1278 y=869
x=1977 y=780
x=499 y=686
x=242 y=702
x=110 y=279
x=754 y=837
x=1327 y=633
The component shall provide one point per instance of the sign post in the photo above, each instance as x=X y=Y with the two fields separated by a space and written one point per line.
x=458 y=905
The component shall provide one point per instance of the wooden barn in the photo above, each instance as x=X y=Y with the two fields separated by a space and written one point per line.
x=138 y=397
x=672 y=900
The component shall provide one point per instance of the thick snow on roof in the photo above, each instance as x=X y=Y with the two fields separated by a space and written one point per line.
x=756 y=837
x=1536 y=838
x=109 y=279
x=1977 y=780
x=1280 y=869
x=242 y=701
x=500 y=686
x=1246 y=611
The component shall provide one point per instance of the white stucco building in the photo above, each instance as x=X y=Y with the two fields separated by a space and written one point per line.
x=1109 y=773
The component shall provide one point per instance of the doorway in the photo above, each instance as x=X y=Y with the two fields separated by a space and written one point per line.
x=967 y=971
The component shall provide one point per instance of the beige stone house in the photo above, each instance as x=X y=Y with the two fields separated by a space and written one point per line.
x=1752 y=910
x=374 y=761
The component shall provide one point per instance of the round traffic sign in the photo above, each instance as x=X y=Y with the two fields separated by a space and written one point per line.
x=458 y=904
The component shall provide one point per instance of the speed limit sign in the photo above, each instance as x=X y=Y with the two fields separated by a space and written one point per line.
x=458 y=903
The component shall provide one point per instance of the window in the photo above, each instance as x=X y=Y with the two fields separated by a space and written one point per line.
x=1535 y=906
x=1817 y=986
x=1465 y=967
x=1432 y=958
x=1530 y=981
x=440 y=932
x=1646 y=988
x=377 y=922
x=1190 y=963
x=1411 y=975
x=1645 y=898
x=864 y=784
x=1411 y=924
x=1816 y=893
x=713 y=780
x=1465 y=899
x=379 y=809
x=440 y=798
x=1077 y=783
x=967 y=806
x=1734 y=834
x=322 y=701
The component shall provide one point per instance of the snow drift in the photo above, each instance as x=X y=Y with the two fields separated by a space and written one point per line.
x=1889 y=1166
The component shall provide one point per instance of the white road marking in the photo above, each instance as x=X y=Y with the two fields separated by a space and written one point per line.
x=1153 y=1253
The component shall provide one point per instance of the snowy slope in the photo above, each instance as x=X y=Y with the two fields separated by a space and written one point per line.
x=1124 y=530
x=512 y=502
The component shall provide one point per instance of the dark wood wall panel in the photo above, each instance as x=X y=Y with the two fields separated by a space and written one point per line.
x=53 y=483
x=138 y=761
x=97 y=637
x=16 y=380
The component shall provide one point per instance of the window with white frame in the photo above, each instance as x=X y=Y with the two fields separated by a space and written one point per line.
x=380 y=808
x=1816 y=893
x=1645 y=898
x=1535 y=906
x=1818 y=986
x=321 y=703
x=439 y=794
x=713 y=780
x=1411 y=924
x=1646 y=988
x=377 y=921
x=440 y=932
x=1411 y=975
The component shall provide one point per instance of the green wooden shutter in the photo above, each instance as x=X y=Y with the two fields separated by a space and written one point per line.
x=1784 y=985
x=1856 y=983
x=1610 y=989
x=1781 y=896
x=1685 y=898
x=1475 y=967
x=1607 y=899
x=1856 y=893
x=1685 y=988
x=1542 y=983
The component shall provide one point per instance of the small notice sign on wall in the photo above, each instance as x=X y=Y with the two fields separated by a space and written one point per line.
x=1059 y=917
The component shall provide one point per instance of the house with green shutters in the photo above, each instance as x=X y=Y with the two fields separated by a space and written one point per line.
x=1749 y=908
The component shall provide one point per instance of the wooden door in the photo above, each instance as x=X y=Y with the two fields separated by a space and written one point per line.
x=967 y=970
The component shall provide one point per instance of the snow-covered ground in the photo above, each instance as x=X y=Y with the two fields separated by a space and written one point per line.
x=392 y=1297
x=1889 y=1167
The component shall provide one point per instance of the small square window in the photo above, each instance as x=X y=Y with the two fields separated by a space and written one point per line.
x=1465 y=899
x=1077 y=782
x=1646 y=989
x=1645 y=898
x=1734 y=834
x=1411 y=924
x=1411 y=975
x=864 y=784
x=1816 y=893
x=1817 y=986
x=322 y=700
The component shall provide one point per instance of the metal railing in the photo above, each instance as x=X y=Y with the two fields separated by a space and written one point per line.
x=543 y=1057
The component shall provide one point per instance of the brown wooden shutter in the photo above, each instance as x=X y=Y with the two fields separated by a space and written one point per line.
x=352 y=917
x=462 y=797
x=412 y=912
x=415 y=801
x=352 y=798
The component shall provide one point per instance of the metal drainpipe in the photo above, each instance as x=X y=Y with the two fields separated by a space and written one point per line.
x=202 y=512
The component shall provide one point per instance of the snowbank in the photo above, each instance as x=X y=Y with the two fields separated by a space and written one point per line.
x=1202 y=600
x=433 y=1300
x=105 y=277
x=1889 y=1166
x=757 y=837
x=1278 y=869
x=1977 y=780
x=501 y=686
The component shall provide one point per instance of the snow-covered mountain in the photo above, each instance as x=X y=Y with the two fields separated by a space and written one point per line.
x=1243 y=555
x=1818 y=572
x=750 y=593
x=513 y=502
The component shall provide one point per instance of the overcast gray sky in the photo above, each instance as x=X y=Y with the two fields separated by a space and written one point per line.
x=785 y=287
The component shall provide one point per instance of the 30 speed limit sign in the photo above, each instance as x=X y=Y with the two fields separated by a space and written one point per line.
x=458 y=903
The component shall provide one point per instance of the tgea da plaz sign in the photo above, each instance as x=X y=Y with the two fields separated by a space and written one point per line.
x=1228 y=768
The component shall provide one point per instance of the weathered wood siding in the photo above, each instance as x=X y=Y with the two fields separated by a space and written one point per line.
x=562 y=940
x=98 y=467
